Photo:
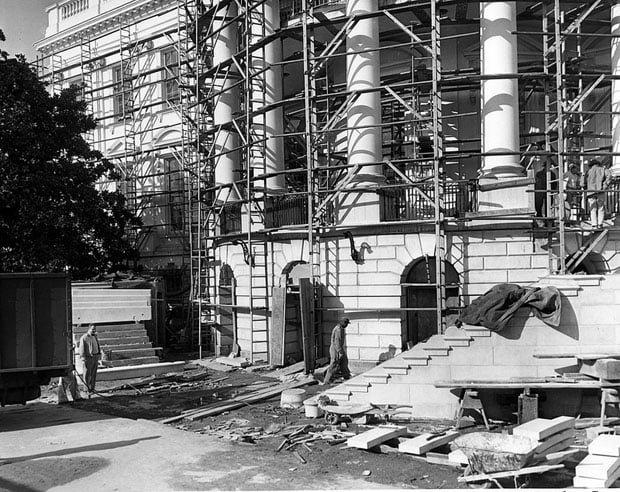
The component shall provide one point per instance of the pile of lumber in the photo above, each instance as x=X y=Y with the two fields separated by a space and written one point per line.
x=268 y=390
x=549 y=436
x=601 y=467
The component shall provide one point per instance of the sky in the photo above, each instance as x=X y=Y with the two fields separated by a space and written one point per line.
x=23 y=23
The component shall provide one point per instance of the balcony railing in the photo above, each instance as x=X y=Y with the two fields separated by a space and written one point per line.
x=286 y=210
x=230 y=218
x=407 y=204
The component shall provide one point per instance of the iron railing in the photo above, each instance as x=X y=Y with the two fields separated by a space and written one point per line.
x=286 y=210
x=406 y=203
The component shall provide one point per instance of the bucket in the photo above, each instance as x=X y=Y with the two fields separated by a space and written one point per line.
x=312 y=409
x=292 y=398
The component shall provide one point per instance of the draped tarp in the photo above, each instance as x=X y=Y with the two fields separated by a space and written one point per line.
x=494 y=308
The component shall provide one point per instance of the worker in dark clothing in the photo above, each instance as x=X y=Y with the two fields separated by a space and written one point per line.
x=89 y=351
x=541 y=187
x=337 y=354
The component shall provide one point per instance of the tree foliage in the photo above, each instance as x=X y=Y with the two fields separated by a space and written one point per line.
x=52 y=215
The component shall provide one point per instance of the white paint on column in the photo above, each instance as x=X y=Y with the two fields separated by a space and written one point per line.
x=265 y=62
x=226 y=104
x=363 y=69
x=500 y=96
x=615 y=87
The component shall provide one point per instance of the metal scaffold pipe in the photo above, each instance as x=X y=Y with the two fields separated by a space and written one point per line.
x=615 y=87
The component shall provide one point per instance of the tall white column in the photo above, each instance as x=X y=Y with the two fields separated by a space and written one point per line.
x=225 y=104
x=272 y=121
x=615 y=86
x=363 y=69
x=500 y=96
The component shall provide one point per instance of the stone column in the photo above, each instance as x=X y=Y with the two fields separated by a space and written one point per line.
x=499 y=96
x=271 y=121
x=363 y=69
x=226 y=104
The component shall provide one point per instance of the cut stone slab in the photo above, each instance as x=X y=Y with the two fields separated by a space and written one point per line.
x=596 y=466
x=540 y=429
x=558 y=447
x=586 y=482
x=140 y=371
x=426 y=442
x=601 y=368
x=551 y=441
x=605 y=445
x=374 y=437
x=233 y=361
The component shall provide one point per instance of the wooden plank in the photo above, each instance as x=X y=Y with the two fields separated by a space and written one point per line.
x=376 y=436
x=277 y=328
x=426 y=442
x=440 y=459
x=597 y=466
x=306 y=304
x=605 y=445
x=551 y=441
x=560 y=456
x=531 y=470
x=540 y=429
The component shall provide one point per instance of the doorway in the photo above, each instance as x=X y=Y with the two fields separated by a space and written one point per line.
x=419 y=292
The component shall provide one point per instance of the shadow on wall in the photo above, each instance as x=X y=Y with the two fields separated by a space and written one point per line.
x=569 y=324
x=389 y=354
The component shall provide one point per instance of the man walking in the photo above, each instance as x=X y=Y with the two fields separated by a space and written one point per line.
x=337 y=355
x=89 y=351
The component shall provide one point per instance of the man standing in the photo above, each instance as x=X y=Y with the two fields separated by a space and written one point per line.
x=595 y=181
x=89 y=351
x=337 y=355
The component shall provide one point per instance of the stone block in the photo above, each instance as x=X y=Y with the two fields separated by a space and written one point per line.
x=487 y=248
x=520 y=248
x=523 y=276
x=595 y=466
x=506 y=262
x=376 y=436
x=473 y=263
x=386 y=341
x=380 y=280
x=426 y=442
x=601 y=368
x=484 y=277
x=539 y=429
x=373 y=303
x=591 y=483
x=392 y=240
x=597 y=316
x=390 y=394
x=605 y=445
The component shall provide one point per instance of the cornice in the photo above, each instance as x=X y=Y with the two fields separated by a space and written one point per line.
x=102 y=24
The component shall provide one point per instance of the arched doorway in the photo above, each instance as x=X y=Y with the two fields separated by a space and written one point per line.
x=227 y=314
x=418 y=281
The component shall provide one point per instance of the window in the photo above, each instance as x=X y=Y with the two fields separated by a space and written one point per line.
x=75 y=81
x=170 y=74
x=121 y=93
x=174 y=187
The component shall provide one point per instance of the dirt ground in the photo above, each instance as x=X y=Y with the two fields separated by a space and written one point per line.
x=257 y=430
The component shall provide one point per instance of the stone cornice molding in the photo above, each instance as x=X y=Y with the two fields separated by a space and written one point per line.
x=102 y=24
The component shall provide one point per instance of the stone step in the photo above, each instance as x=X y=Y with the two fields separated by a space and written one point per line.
x=377 y=378
x=401 y=369
x=133 y=362
x=109 y=328
x=437 y=351
x=477 y=331
x=358 y=387
x=126 y=346
x=124 y=341
x=416 y=358
x=339 y=393
x=123 y=334
x=457 y=337
x=124 y=354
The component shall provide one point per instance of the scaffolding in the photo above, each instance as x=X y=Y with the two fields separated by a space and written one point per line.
x=428 y=158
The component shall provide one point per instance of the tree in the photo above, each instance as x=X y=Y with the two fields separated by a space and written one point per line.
x=52 y=215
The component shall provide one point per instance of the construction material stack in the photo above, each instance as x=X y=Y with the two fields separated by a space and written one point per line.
x=601 y=467
x=549 y=435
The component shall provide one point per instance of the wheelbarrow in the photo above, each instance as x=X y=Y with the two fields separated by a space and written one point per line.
x=494 y=456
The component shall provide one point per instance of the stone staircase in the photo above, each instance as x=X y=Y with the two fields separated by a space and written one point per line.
x=399 y=381
x=589 y=312
x=125 y=344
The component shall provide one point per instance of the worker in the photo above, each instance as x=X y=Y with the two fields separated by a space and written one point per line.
x=337 y=354
x=595 y=181
x=89 y=351
x=541 y=190
x=572 y=180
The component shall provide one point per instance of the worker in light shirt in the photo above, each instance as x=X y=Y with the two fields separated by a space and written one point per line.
x=90 y=351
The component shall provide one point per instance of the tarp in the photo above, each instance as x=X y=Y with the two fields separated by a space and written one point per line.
x=494 y=308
